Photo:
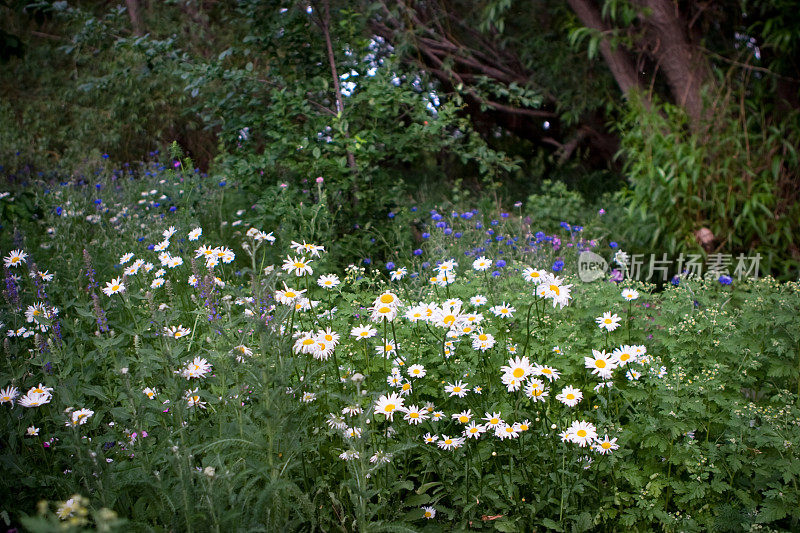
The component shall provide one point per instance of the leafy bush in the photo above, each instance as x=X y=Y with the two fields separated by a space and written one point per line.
x=732 y=177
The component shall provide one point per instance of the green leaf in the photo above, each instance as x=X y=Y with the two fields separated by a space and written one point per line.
x=551 y=524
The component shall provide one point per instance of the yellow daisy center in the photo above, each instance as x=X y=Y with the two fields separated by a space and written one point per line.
x=581 y=433
x=389 y=408
x=463 y=419
x=413 y=415
x=308 y=342
x=519 y=372
x=600 y=363
x=387 y=298
x=494 y=421
x=406 y=386
x=605 y=445
x=608 y=321
x=570 y=396
x=449 y=319
x=456 y=389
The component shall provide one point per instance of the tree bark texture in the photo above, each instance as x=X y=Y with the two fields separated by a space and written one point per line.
x=135 y=16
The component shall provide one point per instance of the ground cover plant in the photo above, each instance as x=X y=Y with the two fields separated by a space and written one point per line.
x=200 y=370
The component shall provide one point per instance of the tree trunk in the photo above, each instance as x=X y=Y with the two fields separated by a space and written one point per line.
x=617 y=59
x=133 y=13
x=684 y=66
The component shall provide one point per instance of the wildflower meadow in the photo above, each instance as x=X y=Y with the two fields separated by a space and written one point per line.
x=175 y=361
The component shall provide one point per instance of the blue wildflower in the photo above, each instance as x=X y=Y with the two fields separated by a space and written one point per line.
x=448 y=231
x=426 y=235
x=613 y=244
x=725 y=280
x=558 y=266
x=390 y=215
x=500 y=263
x=390 y=265
x=417 y=252
x=367 y=260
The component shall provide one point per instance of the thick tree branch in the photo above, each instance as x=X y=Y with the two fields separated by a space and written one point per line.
x=683 y=64
x=618 y=61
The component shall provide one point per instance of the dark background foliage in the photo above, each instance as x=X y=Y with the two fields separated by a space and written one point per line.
x=684 y=115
